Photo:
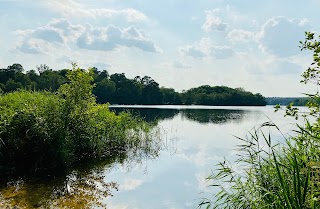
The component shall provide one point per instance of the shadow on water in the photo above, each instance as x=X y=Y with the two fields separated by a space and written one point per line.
x=78 y=188
x=215 y=116
x=150 y=115
x=83 y=186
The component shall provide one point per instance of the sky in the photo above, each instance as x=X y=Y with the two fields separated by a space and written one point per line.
x=179 y=43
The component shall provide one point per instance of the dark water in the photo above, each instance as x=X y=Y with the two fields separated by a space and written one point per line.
x=192 y=141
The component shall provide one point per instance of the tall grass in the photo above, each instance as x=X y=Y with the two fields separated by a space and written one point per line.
x=271 y=176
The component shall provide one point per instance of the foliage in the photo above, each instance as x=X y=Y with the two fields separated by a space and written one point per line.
x=118 y=89
x=42 y=131
x=297 y=101
x=30 y=130
x=221 y=95
x=276 y=175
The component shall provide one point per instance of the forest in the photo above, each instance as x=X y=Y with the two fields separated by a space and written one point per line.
x=118 y=89
x=296 y=101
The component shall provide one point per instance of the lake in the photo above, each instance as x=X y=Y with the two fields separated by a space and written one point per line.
x=193 y=140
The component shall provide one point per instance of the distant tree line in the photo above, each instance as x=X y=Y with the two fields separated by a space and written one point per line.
x=296 y=101
x=118 y=89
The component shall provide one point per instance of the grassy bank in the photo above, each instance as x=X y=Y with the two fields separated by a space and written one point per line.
x=42 y=131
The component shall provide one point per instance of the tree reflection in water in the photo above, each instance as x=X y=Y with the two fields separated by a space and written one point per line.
x=80 y=188
x=213 y=116
x=216 y=116
x=84 y=186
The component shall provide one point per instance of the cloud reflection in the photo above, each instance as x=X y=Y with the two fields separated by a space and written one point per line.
x=130 y=184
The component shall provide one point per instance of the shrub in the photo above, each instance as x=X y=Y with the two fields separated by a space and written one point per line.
x=41 y=131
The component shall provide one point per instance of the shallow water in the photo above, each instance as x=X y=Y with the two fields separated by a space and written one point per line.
x=194 y=140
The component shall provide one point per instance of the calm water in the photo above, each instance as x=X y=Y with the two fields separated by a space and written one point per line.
x=200 y=138
x=194 y=140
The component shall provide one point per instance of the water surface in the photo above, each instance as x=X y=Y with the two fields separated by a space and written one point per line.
x=200 y=137
x=193 y=140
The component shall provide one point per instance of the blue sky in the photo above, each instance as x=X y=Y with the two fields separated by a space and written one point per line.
x=179 y=43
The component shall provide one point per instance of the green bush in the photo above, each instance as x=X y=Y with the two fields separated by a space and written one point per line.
x=42 y=131
x=31 y=130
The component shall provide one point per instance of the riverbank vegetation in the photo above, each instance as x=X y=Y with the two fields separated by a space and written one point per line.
x=296 y=101
x=274 y=174
x=118 y=89
x=43 y=131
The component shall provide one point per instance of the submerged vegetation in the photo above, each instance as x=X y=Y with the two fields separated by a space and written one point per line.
x=43 y=131
x=118 y=89
x=274 y=174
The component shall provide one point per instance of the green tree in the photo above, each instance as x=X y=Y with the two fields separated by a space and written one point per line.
x=170 y=96
x=11 y=85
x=17 y=68
x=49 y=80
x=151 y=93
x=104 y=90
x=78 y=92
x=127 y=91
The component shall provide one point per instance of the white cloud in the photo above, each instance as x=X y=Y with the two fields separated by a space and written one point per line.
x=29 y=47
x=213 y=21
x=179 y=64
x=272 y=66
x=240 y=35
x=48 y=37
x=65 y=27
x=112 y=37
x=176 y=64
x=205 y=48
x=280 y=36
x=43 y=33
x=222 y=52
x=193 y=51
x=129 y=14
x=70 y=8
x=47 y=34
x=203 y=183
x=199 y=49
x=36 y=46
x=62 y=33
